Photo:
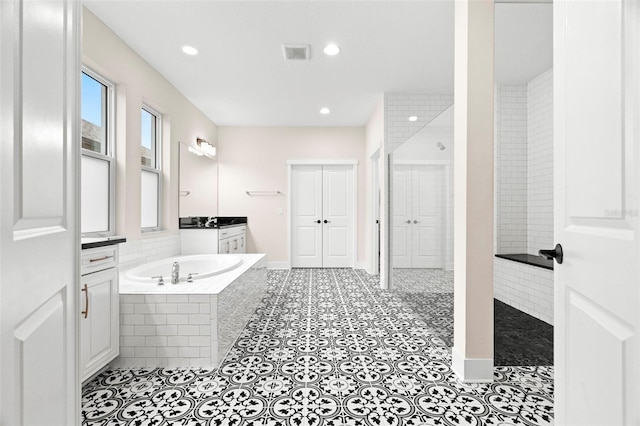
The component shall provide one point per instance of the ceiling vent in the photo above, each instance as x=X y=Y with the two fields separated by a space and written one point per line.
x=296 y=52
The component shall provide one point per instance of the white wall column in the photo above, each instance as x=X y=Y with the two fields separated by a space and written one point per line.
x=472 y=356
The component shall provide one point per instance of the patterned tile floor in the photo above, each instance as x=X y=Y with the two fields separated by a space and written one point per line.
x=327 y=347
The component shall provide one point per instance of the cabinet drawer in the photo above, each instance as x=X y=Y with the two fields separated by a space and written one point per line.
x=98 y=259
x=231 y=232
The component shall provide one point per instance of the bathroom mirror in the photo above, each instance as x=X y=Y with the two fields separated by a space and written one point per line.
x=198 y=188
x=421 y=172
x=421 y=216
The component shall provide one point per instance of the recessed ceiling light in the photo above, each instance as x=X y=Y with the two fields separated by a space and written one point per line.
x=325 y=111
x=190 y=50
x=331 y=50
x=413 y=118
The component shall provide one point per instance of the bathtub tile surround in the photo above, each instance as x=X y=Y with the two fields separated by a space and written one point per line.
x=191 y=324
x=326 y=347
x=148 y=249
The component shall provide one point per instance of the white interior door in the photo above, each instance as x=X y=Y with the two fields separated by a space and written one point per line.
x=418 y=216
x=322 y=216
x=337 y=207
x=597 y=182
x=427 y=221
x=39 y=156
x=306 y=216
x=402 y=206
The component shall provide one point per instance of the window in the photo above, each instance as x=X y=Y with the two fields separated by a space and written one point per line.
x=97 y=210
x=151 y=173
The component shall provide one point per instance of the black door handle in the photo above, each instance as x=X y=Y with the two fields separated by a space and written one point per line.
x=326 y=221
x=556 y=253
x=318 y=221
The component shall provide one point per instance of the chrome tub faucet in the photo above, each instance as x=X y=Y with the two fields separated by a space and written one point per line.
x=175 y=273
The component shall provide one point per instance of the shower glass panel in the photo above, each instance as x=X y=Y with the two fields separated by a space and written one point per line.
x=421 y=216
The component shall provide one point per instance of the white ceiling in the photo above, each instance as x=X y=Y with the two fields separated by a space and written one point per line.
x=241 y=79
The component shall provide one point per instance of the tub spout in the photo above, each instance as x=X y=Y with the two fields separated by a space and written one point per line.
x=175 y=273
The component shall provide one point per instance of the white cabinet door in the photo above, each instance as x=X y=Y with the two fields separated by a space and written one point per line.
x=597 y=187
x=322 y=216
x=99 y=322
x=39 y=236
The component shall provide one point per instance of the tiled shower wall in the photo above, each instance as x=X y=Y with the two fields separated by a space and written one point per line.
x=524 y=192
x=398 y=107
x=511 y=168
x=540 y=163
x=149 y=249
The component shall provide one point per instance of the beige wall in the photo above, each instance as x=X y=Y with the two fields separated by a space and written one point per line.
x=137 y=83
x=255 y=158
x=472 y=353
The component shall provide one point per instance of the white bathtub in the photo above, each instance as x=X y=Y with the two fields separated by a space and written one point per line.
x=189 y=324
x=215 y=273
x=200 y=266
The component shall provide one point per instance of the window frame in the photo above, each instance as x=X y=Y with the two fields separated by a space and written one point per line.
x=110 y=151
x=157 y=145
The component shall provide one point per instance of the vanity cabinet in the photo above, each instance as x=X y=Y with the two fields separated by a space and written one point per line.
x=232 y=240
x=99 y=301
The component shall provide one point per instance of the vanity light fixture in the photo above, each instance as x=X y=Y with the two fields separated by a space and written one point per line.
x=325 y=111
x=189 y=50
x=207 y=149
x=331 y=49
x=413 y=118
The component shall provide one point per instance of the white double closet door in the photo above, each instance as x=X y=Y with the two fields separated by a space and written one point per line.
x=322 y=216
x=418 y=216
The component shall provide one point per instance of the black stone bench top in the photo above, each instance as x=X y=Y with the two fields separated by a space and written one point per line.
x=529 y=259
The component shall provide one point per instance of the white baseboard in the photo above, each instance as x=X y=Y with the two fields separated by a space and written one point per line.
x=363 y=265
x=278 y=265
x=471 y=370
x=286 y=265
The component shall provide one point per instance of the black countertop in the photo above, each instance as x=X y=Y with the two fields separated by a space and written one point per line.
x=94 y=242
x=529 y=259
x=211 y=222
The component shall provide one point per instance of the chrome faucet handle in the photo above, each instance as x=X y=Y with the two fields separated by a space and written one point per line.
x=160 y=279
x=190 y=276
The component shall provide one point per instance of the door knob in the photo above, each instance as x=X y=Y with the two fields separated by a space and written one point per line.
x=416 y=221
x=408 y=221
x=318 y=221
x=556 y=253
x=326 y=221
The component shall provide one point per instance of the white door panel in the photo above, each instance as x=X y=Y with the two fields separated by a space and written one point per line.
x=428 y=217
x=401 y=217
x=337 y=206
x=597 y=173
x=322 y=216
x=39 y=155
x=306 y=214
x=418 y=216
